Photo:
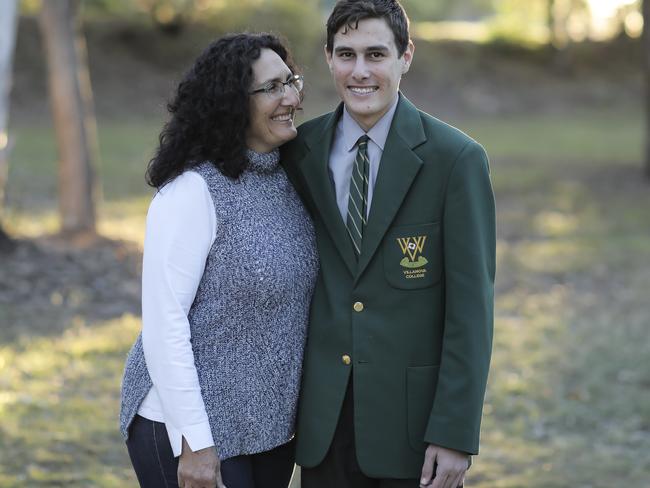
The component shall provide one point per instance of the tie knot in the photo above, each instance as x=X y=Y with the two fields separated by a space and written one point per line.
x=363 y=140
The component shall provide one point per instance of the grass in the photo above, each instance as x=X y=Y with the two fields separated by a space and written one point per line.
x=600 y=136
x=568 y=400
x=59 y=408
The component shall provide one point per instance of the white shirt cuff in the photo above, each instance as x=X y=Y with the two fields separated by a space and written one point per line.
x=198 y=436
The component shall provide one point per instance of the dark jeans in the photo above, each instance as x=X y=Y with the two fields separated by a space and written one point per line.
x=155 y=465
x=340 y=467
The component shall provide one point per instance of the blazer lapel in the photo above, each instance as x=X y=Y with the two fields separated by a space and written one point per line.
x=398 y=167
x=315 y=169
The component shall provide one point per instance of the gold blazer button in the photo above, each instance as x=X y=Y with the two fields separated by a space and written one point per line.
x=346 y=359
x=358 y=307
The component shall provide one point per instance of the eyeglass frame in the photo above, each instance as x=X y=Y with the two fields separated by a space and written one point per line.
x=290 y=82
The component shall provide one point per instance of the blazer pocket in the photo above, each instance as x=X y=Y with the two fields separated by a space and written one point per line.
x=421 y=384
x=413 y=256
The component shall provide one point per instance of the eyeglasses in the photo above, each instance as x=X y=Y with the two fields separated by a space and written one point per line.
x=275 y=89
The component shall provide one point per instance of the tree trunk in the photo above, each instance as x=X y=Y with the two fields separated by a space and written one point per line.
x=646 y=54
x=550 y=22
x=74 y=122
x=8 y=23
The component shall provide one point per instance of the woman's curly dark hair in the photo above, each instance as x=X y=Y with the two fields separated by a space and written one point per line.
x=210 y=110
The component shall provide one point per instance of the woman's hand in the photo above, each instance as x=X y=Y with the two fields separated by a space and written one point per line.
x=199 y=469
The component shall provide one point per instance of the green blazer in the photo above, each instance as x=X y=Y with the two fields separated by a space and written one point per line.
x=411 y=321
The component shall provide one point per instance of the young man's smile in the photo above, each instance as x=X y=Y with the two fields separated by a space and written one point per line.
x=363 y=90
x=367 y=69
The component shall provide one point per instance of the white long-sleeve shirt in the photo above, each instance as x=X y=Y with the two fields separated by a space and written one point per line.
x=180 y=230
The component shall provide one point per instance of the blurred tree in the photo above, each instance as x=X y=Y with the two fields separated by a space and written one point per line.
x=426 y=10
x=299 y=21
x=551 y=19
x=74 y=121
x=646 y=42
x=522 y=21
x=169 y=15
x=8 y=24
x=631 y=19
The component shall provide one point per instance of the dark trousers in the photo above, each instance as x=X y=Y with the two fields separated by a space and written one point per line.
x=156 y=467
x=340 y=468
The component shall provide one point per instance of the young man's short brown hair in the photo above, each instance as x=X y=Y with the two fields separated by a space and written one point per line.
x=348 y=13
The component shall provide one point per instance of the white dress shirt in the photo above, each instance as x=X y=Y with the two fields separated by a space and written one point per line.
x=344 y=152
x=180 y=230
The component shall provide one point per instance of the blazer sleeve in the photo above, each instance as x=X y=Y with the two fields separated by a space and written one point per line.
x=469 y=246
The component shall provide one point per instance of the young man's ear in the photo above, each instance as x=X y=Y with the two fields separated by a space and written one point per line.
x=328 y=57
x=408 y=57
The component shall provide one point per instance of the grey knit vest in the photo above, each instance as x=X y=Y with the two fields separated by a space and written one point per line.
x=249 y=317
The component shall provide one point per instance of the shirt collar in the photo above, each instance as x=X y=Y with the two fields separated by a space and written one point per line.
x=378 y=133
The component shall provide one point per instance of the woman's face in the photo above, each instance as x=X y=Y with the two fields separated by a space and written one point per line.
x=271 y=115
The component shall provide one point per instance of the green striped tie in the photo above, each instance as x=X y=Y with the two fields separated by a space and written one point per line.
x=358 y=202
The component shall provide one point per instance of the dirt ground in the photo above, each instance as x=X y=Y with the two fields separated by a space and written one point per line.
x=45 y=284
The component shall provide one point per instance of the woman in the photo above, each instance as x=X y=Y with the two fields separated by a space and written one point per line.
x=228 y=271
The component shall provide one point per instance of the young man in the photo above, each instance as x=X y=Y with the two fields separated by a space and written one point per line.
x=401 y=321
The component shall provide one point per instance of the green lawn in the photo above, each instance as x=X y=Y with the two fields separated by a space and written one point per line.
x=59 y=408
x=600 y=136
x=568 y=400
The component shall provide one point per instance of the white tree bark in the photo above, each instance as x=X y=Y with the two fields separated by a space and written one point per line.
x=71 y=99
x=8 y=24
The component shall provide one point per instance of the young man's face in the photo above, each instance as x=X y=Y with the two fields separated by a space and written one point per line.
x=367 y=70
